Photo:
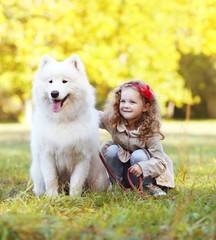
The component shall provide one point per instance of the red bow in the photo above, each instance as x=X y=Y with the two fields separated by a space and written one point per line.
x=145 y=91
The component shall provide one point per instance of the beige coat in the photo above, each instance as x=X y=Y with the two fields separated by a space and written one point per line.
x=159 y=166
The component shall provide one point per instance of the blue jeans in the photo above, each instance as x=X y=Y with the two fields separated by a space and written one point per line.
x=120 y=169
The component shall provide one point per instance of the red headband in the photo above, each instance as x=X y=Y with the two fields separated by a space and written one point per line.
x=145 y=91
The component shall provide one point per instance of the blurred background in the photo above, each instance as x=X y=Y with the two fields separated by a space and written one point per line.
x=169 y=44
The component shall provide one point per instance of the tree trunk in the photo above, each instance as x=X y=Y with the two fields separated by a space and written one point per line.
x=188 y=112
x=170 y=109
x=28 y=112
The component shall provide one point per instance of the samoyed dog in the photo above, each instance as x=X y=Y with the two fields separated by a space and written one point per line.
x=65 y=132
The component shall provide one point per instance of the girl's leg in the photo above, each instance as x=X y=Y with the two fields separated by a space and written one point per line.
x=149 y=183
x=112 y=160
x=136 y=157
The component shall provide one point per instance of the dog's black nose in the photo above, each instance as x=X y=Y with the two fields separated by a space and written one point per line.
x=54 y=94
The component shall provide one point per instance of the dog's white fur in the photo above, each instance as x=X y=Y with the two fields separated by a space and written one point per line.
x=64 y=142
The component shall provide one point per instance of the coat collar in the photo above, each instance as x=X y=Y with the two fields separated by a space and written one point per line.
x=121 y=127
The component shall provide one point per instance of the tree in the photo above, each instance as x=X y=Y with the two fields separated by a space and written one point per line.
x=116 y=40
x=200 y=74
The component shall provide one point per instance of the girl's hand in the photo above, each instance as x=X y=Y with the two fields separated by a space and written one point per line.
x=136 y=170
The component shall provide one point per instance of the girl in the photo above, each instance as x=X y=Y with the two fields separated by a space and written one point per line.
x=133 y=120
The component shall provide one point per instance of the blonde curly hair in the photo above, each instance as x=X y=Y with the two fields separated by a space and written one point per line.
x=150 y=121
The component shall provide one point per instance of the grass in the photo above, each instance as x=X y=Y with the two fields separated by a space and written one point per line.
x=187 y=212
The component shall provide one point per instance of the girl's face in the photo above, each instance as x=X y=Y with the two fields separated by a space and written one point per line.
x=131 y=105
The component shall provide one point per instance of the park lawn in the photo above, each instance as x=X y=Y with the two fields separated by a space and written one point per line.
x=187 y=212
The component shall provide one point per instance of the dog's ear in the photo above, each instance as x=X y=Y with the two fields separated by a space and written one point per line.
x=76 y=61
x=44 y=60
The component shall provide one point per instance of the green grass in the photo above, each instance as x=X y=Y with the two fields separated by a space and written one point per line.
x=187 y=212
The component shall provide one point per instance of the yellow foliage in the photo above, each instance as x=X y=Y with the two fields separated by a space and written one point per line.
x=116 y=40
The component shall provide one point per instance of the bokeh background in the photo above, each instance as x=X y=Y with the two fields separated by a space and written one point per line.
x=169 y=44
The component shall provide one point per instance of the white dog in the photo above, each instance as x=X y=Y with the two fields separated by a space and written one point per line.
x=65 y=132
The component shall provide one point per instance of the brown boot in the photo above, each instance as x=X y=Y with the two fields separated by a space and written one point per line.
x=154 y=190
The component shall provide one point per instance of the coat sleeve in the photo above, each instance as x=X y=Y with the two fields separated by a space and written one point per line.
x=105 y=120
x=156 y=164
x=101 y=119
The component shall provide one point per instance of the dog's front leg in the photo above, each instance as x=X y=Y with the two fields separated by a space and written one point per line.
x=37 y=176
x=50 y=175
x=78 y=177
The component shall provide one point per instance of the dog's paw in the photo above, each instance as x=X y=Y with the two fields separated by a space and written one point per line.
x=75 y=192
x=52 y=193
x=39 y=192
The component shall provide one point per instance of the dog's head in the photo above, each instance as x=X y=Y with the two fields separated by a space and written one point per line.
x=62 y=85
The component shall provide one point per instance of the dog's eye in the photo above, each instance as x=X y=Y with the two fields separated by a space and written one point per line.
x=64 y=81
x=50 y=81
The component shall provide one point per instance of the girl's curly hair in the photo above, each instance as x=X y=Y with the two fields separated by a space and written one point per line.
x=150 y=123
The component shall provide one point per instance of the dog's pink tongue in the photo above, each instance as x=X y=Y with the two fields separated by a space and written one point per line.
x=56 y=106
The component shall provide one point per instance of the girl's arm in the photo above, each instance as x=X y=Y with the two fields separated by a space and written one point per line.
x=105 y=120
x=156 y=165
x=101 y=118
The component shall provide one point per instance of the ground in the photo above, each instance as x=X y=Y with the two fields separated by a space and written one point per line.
x=187 y=212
